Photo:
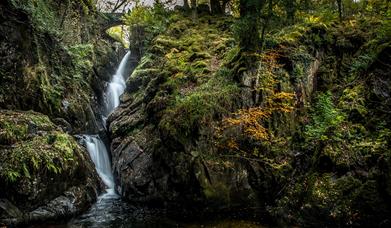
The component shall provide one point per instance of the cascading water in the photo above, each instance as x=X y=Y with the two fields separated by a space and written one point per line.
x=117 y=86
x=95 y=146
x=103 y=211
x=99 y=155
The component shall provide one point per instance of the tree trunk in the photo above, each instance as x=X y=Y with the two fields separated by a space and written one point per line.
x=224 y=6
x=186 y=6
x=249 y=33
x=290 y=8
x=266 y=24
x=215 y=7
x=193 y=9
x=307 y=5
x=339 y=4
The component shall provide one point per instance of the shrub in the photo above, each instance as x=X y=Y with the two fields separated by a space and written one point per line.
x=324 y=116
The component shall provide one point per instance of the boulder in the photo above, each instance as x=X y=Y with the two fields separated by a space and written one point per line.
x=44 y=173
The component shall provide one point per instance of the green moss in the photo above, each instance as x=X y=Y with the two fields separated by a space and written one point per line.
x=199 y=107
x=42 y=14
x=30 y=152
x=10 y=132
x=15 y=126
x=189 y=55
x=141 y=73
x=167 y=42
x=178 y=26
x=353 y=100
x=82 y=58
x=118 y=33
x=40 y=80
x=230 y=55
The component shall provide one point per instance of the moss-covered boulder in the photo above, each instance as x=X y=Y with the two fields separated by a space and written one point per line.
x=44 y=173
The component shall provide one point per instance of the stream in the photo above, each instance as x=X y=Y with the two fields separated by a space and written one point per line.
x=109 y=206
x=110 y=210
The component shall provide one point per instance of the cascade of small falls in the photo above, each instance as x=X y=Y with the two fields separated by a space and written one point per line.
x=110 y=210
x=109 y=207
x=95 y=146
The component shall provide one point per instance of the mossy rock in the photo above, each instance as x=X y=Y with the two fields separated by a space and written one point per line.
x=167 y=42
x=16 y=126
x=225 y=183
x=33 y=143
x=178 y=28
x=38 y=160
x=141 y=77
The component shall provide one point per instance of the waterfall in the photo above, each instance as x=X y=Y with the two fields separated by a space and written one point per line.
x=99 y=155
x=95 y=146
x=117 y=86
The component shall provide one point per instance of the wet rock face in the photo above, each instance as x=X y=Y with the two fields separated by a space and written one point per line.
x=148 y=173
x=44 y=173
x=133 y=166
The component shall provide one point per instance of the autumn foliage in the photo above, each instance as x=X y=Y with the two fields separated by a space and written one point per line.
x=252 y=122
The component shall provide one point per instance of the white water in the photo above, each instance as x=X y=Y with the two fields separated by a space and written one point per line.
x=117 y=86
x=95 y=146
x=99 y=155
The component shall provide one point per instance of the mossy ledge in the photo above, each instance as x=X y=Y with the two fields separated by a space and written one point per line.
x=42 y=169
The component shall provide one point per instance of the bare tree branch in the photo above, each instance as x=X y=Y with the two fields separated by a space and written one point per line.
x=116 y=7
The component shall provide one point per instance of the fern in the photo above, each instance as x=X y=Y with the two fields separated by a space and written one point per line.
x=324 y=116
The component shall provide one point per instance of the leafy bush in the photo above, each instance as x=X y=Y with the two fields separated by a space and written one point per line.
x=153 y=20
x=82 y=59
x=324 y=116
x=361 y=63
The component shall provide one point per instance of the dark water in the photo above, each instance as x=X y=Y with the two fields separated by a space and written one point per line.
x=113 y=212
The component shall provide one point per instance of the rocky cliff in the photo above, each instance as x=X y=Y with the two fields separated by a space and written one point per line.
x=54 y=61
x=53 y=67
x=208 y=127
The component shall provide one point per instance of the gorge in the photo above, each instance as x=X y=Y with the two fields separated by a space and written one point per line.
x=207 y=114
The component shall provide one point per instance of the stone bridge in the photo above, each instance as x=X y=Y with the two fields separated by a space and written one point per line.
x=109 y=20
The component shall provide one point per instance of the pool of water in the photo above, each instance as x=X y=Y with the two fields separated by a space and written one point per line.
x=112 y=212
